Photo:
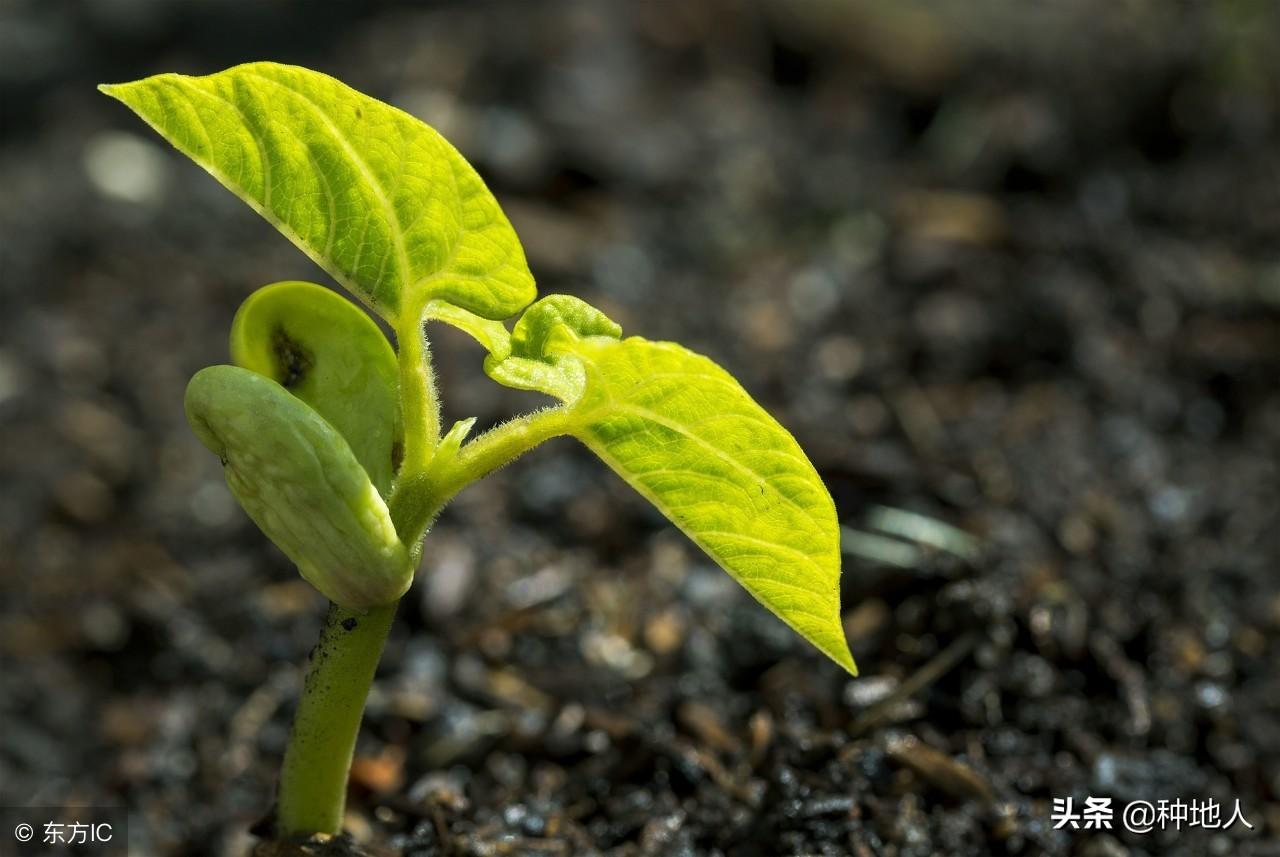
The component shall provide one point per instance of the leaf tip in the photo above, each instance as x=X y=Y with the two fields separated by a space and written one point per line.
x=834 y=645
x=120 y=92
x=844 y=658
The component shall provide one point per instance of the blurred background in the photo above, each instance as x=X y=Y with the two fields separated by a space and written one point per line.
x=1010 y=273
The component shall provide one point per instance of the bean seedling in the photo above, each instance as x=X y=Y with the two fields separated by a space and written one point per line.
x=331 y=439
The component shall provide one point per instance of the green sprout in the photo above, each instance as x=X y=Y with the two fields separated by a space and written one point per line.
x=331 y=439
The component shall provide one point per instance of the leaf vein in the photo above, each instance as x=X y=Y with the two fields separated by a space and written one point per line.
x=358 y=160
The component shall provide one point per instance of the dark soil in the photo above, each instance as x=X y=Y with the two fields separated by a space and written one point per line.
x=1016 y=270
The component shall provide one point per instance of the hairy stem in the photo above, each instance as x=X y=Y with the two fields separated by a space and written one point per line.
x=419 y=400
x=505 y=443
x=419 y=498
x=317 y=762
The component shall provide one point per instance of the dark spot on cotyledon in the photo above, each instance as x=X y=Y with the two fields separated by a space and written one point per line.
x=349 y=624
x=359 y=113
x=292 y=359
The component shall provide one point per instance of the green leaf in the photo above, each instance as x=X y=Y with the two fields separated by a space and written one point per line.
x=685 y=434
x=297 y=478
x=688 y=437
x=374 y=196
x=323 y=349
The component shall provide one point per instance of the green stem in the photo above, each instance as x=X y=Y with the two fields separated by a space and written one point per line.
x=317 y=762
x=501 y=445
x=419 y=498
x=419 y=401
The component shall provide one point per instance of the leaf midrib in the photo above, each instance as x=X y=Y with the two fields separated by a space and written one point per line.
x=613 y=408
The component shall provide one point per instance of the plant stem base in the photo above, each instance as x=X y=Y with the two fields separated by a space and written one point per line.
x=317 y=762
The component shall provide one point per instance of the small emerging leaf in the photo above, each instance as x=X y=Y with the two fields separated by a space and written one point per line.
x=327 y=352
x=537 y=359
x=297 y=478
x=449 y=445
x=374 y=196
